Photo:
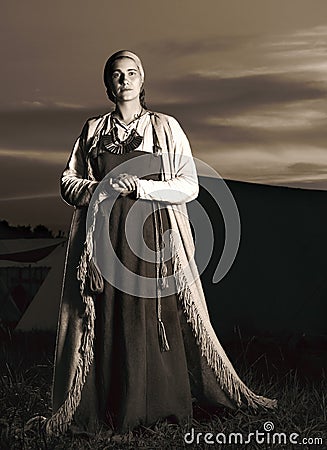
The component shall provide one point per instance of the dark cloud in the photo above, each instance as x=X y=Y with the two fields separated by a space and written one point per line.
x=30 y=193
x=26 y=177
x=198 y=98
x=208 y=44
x=42 y=129
x=237 y=94
x=201 y=98
x=307 y=168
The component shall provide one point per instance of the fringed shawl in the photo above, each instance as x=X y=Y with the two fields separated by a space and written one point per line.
x=178 y=173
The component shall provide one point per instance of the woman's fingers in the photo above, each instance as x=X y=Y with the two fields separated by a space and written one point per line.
x=121 y=189
x=125 y=184
x=127 y=181
x=124 y=187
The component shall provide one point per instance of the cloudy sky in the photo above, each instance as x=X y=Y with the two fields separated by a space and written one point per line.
x=247 y=79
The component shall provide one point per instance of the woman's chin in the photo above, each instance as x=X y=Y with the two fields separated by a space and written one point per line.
x=127 y=96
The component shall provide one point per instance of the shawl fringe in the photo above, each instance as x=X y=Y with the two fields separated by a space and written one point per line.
x=62 y=418
x=219 y=363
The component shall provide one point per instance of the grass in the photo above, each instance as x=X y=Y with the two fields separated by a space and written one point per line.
x=25 y=382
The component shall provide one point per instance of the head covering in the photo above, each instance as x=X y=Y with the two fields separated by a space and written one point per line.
x=122 y=54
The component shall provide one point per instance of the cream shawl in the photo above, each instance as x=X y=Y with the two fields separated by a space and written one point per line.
x=179 y=185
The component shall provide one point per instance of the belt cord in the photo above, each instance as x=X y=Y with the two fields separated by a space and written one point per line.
x=161 y=268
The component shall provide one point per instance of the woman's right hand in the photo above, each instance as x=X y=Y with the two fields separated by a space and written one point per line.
x=124 y=183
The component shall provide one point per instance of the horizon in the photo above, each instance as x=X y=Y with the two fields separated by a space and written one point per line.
x=66 y=210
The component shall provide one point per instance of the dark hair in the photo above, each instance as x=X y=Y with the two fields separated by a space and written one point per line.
x=106 y=79
x=113 y=99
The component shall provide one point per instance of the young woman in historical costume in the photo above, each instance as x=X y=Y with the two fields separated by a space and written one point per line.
x=134 y=342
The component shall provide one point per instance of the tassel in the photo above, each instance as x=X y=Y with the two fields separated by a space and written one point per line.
x=95 y=277
x=164 y=279
x=164 y=346
x=161 y=282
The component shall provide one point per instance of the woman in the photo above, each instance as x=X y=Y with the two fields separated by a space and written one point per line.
x=134 y=341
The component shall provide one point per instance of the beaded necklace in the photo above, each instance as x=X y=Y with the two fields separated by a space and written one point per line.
x=113 y=144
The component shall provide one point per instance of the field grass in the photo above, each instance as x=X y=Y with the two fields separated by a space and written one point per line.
x=25 y=382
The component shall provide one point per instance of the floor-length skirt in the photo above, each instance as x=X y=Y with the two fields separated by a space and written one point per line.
x=131 y=381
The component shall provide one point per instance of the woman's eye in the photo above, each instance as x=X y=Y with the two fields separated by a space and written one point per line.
x=115 y=75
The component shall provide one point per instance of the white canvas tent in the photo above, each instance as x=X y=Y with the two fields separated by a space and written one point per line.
x=42 y=312
x=9 y=311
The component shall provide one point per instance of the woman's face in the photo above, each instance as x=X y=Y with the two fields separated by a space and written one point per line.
x=125 y=81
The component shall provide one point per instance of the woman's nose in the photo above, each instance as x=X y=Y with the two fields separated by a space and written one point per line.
x=123 y=79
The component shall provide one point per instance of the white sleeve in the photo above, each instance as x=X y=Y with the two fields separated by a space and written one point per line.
x=76 y=188
x=184 y=187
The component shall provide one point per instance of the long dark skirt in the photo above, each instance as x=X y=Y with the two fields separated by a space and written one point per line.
x=132 y=382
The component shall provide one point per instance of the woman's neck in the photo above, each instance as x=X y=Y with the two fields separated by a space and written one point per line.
x=127 y=111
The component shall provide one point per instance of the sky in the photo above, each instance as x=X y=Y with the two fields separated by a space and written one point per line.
x=245 y=78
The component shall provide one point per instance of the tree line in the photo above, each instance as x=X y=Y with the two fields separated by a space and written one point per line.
x=8 y=231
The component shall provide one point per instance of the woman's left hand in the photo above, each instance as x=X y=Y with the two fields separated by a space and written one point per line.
x=127 y=183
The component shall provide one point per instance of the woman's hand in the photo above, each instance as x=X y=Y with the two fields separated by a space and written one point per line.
x=124 y=183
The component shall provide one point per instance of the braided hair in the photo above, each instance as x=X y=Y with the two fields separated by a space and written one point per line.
x=113 y=98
